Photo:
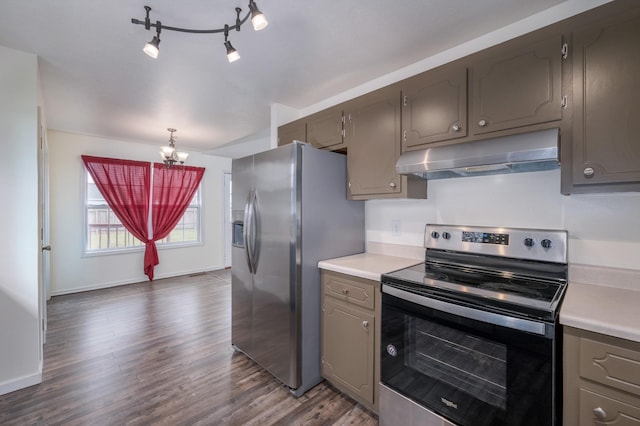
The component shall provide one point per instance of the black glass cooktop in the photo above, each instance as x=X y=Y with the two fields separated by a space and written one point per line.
x=528 y=295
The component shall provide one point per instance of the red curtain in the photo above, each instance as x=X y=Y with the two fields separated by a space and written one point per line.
x=126 y=185
x=173 y=190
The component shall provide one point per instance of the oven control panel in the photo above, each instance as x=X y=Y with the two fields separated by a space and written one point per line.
x=523 y=243
x=485 y=237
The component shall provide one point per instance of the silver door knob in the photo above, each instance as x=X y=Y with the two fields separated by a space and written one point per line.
x=600 y=413
x=47 y=248
x=456 y=127
x=588 y=171
x=482 y=123
x=392 y=185
x=365 y=324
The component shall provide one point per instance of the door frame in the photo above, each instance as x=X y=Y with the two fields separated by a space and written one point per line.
x=226 y=218
x=44 y=256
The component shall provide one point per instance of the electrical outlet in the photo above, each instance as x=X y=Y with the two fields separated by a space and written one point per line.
x=395 y=228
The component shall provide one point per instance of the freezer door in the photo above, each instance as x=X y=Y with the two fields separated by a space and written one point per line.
x=275 y=304
x=241 y=278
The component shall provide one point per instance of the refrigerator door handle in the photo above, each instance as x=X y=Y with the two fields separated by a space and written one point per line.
x=246 y=231
x=256 y=232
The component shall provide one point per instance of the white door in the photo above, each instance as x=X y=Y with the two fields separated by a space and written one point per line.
x=227 y=219
x=43 y=216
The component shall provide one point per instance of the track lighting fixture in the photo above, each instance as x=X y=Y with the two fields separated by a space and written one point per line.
x=258 y=20
x=169 y=154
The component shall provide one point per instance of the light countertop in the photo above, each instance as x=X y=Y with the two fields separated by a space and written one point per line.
x=603 y=300
x=598 y=299
x=367 y=265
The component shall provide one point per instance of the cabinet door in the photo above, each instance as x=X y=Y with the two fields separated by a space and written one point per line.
x=598 y=409
x=294 y=131
x=434 y=107
x=606 y=76
x=325 y=129
x=348 y=348
x=373 y=136
x=518 y=88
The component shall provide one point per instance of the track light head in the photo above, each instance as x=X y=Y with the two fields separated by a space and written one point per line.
x=152 y=48
x=258 y=20
x=232 y=54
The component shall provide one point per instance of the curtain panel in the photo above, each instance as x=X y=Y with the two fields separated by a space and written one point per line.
x=173 y=190
x=126 y=187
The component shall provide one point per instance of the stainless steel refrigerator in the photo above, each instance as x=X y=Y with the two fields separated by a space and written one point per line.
x=289 y=211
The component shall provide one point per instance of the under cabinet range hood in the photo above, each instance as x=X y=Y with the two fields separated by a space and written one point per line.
x=525 y=152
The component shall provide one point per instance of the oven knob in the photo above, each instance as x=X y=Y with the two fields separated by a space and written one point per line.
x=529 y=242
x=391 y=350
x=446 y=235
x=546 y=243
x=435 y=235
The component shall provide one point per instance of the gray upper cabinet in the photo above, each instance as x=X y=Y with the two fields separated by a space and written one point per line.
x=325 y=129
x=517 y=87
x=434 y=107
x=606 y=122
x=294 y=131
x=372 y=133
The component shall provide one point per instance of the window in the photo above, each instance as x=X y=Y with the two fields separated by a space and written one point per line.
x=106 y=233
x=188 y=229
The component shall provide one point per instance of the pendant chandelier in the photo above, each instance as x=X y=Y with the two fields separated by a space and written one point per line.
x=169 y=154
x=258 y=20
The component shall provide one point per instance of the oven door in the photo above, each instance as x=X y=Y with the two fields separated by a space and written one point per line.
x=465 y=366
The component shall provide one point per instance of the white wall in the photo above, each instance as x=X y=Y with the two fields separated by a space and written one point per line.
x=603 y=229
x=19 y=317
x=71 y=270
x=257 y=142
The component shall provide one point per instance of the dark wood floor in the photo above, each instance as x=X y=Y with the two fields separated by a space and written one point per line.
x=160 y=353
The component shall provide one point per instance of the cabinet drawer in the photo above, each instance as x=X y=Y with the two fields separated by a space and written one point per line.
x=596 y=409
x=610 y=365
x=352 y=290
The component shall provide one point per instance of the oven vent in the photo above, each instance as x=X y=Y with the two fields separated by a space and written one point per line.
x=527 y=152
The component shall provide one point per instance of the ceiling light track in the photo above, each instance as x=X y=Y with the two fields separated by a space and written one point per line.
x=152 y=48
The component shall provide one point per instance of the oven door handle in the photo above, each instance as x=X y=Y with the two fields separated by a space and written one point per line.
x=521 y=324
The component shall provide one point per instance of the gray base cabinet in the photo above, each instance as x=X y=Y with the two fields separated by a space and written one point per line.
x=350 y=335
x=601 y=379
x=606 y=123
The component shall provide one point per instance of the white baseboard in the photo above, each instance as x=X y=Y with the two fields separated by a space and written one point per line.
x=133 y=280
x=21 y=382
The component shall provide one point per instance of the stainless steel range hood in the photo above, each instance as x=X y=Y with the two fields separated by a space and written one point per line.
x=509 y=154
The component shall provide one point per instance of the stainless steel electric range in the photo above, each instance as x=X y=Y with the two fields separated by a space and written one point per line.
x=471 y=337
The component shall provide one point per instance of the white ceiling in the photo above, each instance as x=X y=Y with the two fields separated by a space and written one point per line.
x=96 y=79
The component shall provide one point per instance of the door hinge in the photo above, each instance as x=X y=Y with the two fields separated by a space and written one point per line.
x=405 y=100
x=564 y=102
x=565 y=50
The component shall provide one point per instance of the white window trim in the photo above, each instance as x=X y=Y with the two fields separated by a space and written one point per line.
x=126 y=250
